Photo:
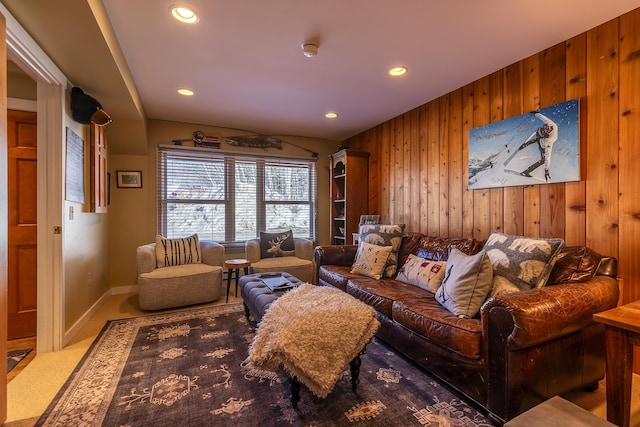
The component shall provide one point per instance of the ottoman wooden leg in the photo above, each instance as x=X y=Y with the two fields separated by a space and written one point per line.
x=294 y=387
x=354 y=366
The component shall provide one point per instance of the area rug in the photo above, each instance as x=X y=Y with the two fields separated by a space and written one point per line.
x=15 y=356
x=190 y=368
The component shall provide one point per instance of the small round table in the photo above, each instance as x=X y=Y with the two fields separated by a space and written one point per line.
x=234 y=265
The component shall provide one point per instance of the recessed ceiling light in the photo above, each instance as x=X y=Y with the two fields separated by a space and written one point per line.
x=184 y=14
x=185 y=92
x=397 y=71
x=331 y=115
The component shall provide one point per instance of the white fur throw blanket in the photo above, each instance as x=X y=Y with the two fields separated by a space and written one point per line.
x=314 y=332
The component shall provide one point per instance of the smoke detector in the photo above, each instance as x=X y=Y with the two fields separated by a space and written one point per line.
x=310 y=48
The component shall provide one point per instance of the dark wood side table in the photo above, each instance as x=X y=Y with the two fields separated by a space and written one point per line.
x=622 y=333
x=234 y=265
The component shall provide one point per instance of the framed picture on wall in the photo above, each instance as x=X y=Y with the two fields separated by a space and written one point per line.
x=539 y=147
x=129 y=179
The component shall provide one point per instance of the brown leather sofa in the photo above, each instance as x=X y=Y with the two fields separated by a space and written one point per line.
x=521 y=349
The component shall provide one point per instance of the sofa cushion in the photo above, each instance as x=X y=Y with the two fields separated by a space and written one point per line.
x=438 y=248
x=380 y=294
x=423 y=273
x=384 y=235
x=273 y=245
x=428 y=319
x=520 y=263
x=466 y=283
x=574 y=264
x=336 y=276
x=371 y=260
x=171 y=252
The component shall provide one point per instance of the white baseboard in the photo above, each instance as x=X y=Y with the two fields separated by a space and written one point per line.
x=71 y=332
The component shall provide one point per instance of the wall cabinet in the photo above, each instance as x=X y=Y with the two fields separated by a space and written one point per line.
x=349 y=193
x=98 y=184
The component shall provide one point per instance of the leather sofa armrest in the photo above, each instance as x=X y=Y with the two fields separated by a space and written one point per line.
x=527 y=318
x=146 y=258
x=304 y=248
x=212 y=253
x=335 y=255
x=252 y=250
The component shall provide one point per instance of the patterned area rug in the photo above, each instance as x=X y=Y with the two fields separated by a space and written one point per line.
x=15 y=356
x=189 y=368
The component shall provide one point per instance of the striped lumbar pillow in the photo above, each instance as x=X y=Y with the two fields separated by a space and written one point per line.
x=177 y=251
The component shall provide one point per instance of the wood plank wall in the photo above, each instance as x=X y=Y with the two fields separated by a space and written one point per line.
x=418 y=166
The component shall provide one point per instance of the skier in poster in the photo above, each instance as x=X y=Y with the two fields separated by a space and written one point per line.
x=545 y=136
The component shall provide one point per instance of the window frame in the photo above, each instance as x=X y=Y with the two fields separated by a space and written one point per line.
x=230 y=159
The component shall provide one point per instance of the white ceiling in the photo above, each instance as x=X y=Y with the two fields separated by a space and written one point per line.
x=244 y=61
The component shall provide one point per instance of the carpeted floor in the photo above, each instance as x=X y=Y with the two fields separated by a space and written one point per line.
x=189 y=368
x=15 y=356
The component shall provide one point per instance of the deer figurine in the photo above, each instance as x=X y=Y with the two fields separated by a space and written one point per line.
x=274 y=247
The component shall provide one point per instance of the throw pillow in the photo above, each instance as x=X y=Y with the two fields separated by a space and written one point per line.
x=384 y=235
x=466 y=283
x=274 y=245
x=422 y=273
x=177 y=251
x=520 y=263
x=371 y=260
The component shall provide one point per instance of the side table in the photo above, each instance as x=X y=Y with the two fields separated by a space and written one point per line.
x=622 y=326
x=234 y=265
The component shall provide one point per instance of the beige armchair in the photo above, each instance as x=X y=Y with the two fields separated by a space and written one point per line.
x=299 y=265
x=179 y=285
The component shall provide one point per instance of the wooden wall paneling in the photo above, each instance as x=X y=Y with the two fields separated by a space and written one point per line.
x=496 y=113
x=397 y=201
x=481 y=197
x=433 y=171
x=456 y=161
x=414 y=171
x=408 y=182
x=385 y=172
x=373 y=147
x=443 y=166
x=629 y=255
x=575 y=192
x=530 y=102
x=406 y=169
x=602 y=133
x=467 y=195
x=424 y=167
x=553 y=91
x=513 y=197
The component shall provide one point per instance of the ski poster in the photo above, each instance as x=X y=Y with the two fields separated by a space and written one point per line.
x=539 y=147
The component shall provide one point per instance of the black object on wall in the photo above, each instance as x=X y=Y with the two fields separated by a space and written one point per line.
x=86 y=109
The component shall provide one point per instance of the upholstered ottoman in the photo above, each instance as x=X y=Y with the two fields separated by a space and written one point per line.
x=313 y=332
x=257 y=297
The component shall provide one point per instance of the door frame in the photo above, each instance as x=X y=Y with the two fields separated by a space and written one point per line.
x=51 y=107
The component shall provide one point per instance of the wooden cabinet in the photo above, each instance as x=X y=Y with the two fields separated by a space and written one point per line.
x=349 y=193
x=98 y=184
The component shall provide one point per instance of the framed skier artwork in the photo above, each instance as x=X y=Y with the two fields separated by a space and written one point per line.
x=540 y=147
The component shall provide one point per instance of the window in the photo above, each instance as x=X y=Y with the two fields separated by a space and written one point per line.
x=230 y=197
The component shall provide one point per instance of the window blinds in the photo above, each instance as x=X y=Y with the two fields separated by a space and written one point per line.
x=230 y=197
